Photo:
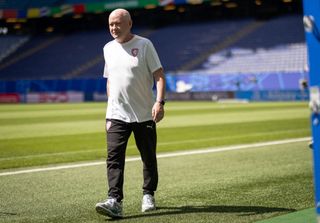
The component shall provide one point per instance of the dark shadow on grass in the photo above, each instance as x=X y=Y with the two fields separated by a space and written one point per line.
x=240 y=210
x=7 y=214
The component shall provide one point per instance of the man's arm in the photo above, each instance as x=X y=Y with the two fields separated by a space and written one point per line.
x=158 y=109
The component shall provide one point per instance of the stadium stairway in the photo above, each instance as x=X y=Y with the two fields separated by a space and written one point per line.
x=222 y=45
x=28 y=52
x=9 y=44
x=85 y=67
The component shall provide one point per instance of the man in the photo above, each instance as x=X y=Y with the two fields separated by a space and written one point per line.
x=132 y=66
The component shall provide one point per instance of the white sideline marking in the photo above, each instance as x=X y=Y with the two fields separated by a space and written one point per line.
x=164 y=155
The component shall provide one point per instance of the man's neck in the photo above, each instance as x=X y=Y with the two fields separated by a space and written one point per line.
x=126 y=39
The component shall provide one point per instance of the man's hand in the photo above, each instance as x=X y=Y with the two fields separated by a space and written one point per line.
x=157 y=112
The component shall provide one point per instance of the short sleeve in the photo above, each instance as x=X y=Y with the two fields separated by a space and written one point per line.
x=105 y=70
x=152 y=58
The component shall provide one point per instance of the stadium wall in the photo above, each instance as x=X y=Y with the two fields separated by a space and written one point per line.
x=199 y=81
x=185 y=86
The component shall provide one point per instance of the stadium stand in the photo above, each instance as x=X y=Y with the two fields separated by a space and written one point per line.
x=275 y=44
x=176 y=45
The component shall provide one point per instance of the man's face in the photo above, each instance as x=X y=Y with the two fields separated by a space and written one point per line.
x=119 y=26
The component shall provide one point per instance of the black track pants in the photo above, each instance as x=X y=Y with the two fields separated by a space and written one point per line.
x=118 y=133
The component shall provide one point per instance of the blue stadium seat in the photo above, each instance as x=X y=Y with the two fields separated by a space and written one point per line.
x=277 y=46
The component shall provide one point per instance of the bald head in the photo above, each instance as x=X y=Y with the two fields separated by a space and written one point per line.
x=120 y=24
x=124 y=14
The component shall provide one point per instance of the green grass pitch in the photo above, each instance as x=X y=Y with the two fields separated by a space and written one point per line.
x=246 y=185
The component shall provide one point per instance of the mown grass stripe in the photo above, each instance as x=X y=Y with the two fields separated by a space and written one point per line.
x=49 y=113
x=165 y=155
x=66 y=116
x=160 y=144
x=89 y=126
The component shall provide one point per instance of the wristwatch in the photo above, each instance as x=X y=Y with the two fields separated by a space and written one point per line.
x=162 y=102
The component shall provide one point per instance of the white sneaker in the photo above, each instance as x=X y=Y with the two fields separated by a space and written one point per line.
x=148 y=203
x=111 y=207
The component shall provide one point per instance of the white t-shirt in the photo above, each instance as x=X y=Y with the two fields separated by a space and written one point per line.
x=129 y=68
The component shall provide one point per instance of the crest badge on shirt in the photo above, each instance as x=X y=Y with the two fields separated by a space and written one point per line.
x=134 y=52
